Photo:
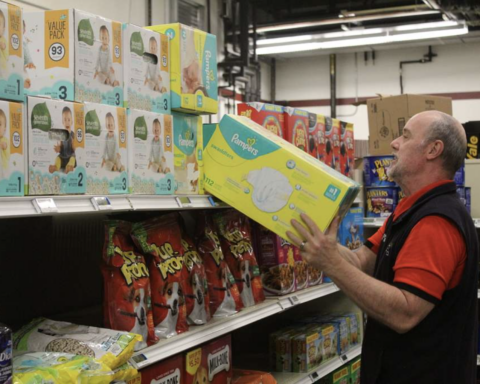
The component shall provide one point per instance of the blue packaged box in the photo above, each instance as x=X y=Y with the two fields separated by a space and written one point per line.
x=459 y=177
x=350 y=232
x=381 y=202
x=376 y=171
x=465 y=196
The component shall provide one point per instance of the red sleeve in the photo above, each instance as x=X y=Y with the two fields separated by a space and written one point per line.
x=374 y=241
x=431 y=260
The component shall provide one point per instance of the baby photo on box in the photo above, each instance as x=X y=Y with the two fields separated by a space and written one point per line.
x=150 y=146
x=146 y=69
x=11 y=149
x=98 y=59
x=106 y=149
x=56 y=147
x=11 y=52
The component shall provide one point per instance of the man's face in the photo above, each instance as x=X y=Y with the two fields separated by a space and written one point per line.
x=110 y=125
x=409 y=149
x=153 y=47
x=3 y=126
x=156 y=130
x=67 y=120
x=104 y=38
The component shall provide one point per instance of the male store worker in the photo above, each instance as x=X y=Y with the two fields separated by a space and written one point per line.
x=416 y=278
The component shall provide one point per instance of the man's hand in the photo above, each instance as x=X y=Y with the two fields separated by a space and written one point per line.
x=319 y=250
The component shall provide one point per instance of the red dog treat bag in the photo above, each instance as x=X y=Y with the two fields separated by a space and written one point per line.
x=169 y=371
x=196 y=287
x=236 y=241
x=211 y=363
x=127 y=297
x=161 y=239
x=224 y=295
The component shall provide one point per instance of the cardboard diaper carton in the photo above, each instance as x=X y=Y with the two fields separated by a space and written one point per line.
x=11 y=52
x=211 y=363
x=168 y=371
x=106 y=149
x=388 y=115
x=270 y=180
x=296 y=127
x=146 y=69
x=150 y=153
x=268 y=116
x=56 y=147
x=12 y=149
x=74 y=55
x=188 y=146
x=193 y=68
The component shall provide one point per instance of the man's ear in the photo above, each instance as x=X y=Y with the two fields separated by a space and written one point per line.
x=435 y=149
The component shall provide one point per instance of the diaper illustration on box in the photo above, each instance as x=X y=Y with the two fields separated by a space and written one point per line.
x=106 y=148
x=98 y=60
x=146 y=71
x=11 y=52
x=271 y=189
x=150 y=153
x=11 y=149
x=56 y=147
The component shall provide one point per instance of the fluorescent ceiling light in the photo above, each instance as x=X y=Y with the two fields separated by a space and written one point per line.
x=438 y=24
x=366 y=37
x=289 y=39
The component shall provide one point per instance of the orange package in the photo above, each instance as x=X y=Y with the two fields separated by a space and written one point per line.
x=161 y=239
x=224 y=295
x=243 y=376
x=196 y=287
x=236 y=241
x=127 y=297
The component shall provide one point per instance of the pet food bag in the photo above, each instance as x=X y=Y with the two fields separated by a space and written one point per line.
x=314 y=276
x=110 y=347
x=236 y=242
x=127 y=297
x=196 y=288
x=167 y=371
x=224 y=294
x=160 y=238
x=244 y=376
x=276 y=261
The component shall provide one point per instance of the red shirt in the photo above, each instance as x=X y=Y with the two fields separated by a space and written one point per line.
x=433 y=256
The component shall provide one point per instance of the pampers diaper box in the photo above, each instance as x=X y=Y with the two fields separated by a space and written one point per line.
x=106 y=149
x=146 y=69
x=269 y=179
x=11 y=52
x=56 y=147
x=73 y=55
x=188 y=148
x=193 y=68
x=296 y=127
x=150 y=153
x=268 y=116
x=12 y=149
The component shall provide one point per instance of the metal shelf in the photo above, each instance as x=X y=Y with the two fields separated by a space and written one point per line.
x=319 y=372
x=218 y=327
x=71 y=204
x=478 y=359
x=377 y=222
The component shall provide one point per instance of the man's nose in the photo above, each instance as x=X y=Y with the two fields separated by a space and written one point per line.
x=394 y=144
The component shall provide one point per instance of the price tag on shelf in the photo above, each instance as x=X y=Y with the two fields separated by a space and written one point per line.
x=45 y=205
x=294 y=300
x=101 y=203
x=314 y=376
x=184 y=202
x=216 y=202
x=344 y=357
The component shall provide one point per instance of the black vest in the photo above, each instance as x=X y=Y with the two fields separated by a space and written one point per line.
x=441 y=349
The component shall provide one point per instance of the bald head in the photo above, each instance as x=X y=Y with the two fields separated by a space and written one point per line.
x=440 y=126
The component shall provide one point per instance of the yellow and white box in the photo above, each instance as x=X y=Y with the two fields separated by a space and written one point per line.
x=269 y=179
x=188 y=147
x=12 y=149
x=193 y=70
x=56 y=147
x=73 y=55
x=106 y=149
x=146 y=69
x=11 y=52
x=150 y=153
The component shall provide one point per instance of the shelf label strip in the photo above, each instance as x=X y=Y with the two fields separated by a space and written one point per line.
x=44 y=205
x=101 y=203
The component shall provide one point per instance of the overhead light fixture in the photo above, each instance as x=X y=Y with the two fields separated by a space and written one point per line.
x=362 y=37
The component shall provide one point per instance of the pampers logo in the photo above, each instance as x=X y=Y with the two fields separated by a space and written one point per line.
x=248 y=146
x=208 y=74
x=187 y=143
